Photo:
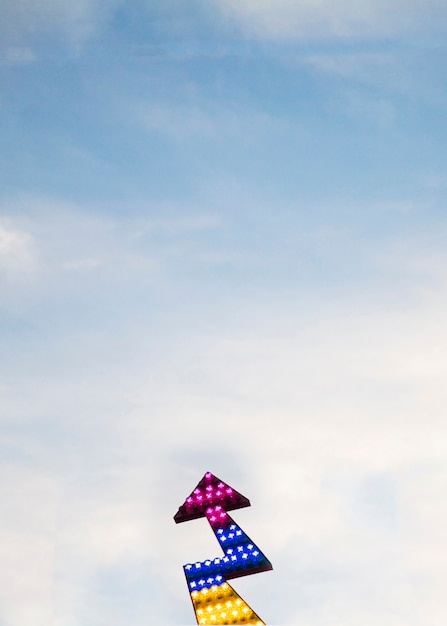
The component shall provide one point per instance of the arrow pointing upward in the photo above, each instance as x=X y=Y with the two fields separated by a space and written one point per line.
x=214 y=600
x=210 y=491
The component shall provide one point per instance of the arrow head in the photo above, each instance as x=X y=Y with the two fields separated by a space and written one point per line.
x=210 y=491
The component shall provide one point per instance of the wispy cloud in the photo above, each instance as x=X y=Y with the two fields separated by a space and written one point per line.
x=17 y=56
x=204 y=121
x=17 y=249
x=296 y=19
x=25 y=22
x=66 y=248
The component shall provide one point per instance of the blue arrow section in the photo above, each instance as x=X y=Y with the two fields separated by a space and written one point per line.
x=241 y=555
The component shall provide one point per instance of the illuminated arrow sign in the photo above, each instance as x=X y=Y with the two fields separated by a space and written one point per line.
x=214 y=600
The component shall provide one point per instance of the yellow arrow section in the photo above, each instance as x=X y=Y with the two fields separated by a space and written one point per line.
x=220 y=604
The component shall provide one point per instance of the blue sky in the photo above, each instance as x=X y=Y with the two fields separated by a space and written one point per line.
x=222 y=247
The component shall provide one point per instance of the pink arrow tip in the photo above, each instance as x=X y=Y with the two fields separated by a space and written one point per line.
x=210 y=492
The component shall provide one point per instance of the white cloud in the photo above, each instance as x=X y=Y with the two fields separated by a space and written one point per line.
x=29 y=510
x=319 y=411
x=17 y=249
x=327 y=412
x=63 y=241
x=277 y=19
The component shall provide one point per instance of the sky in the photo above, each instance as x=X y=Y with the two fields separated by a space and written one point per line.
x=223 y=248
